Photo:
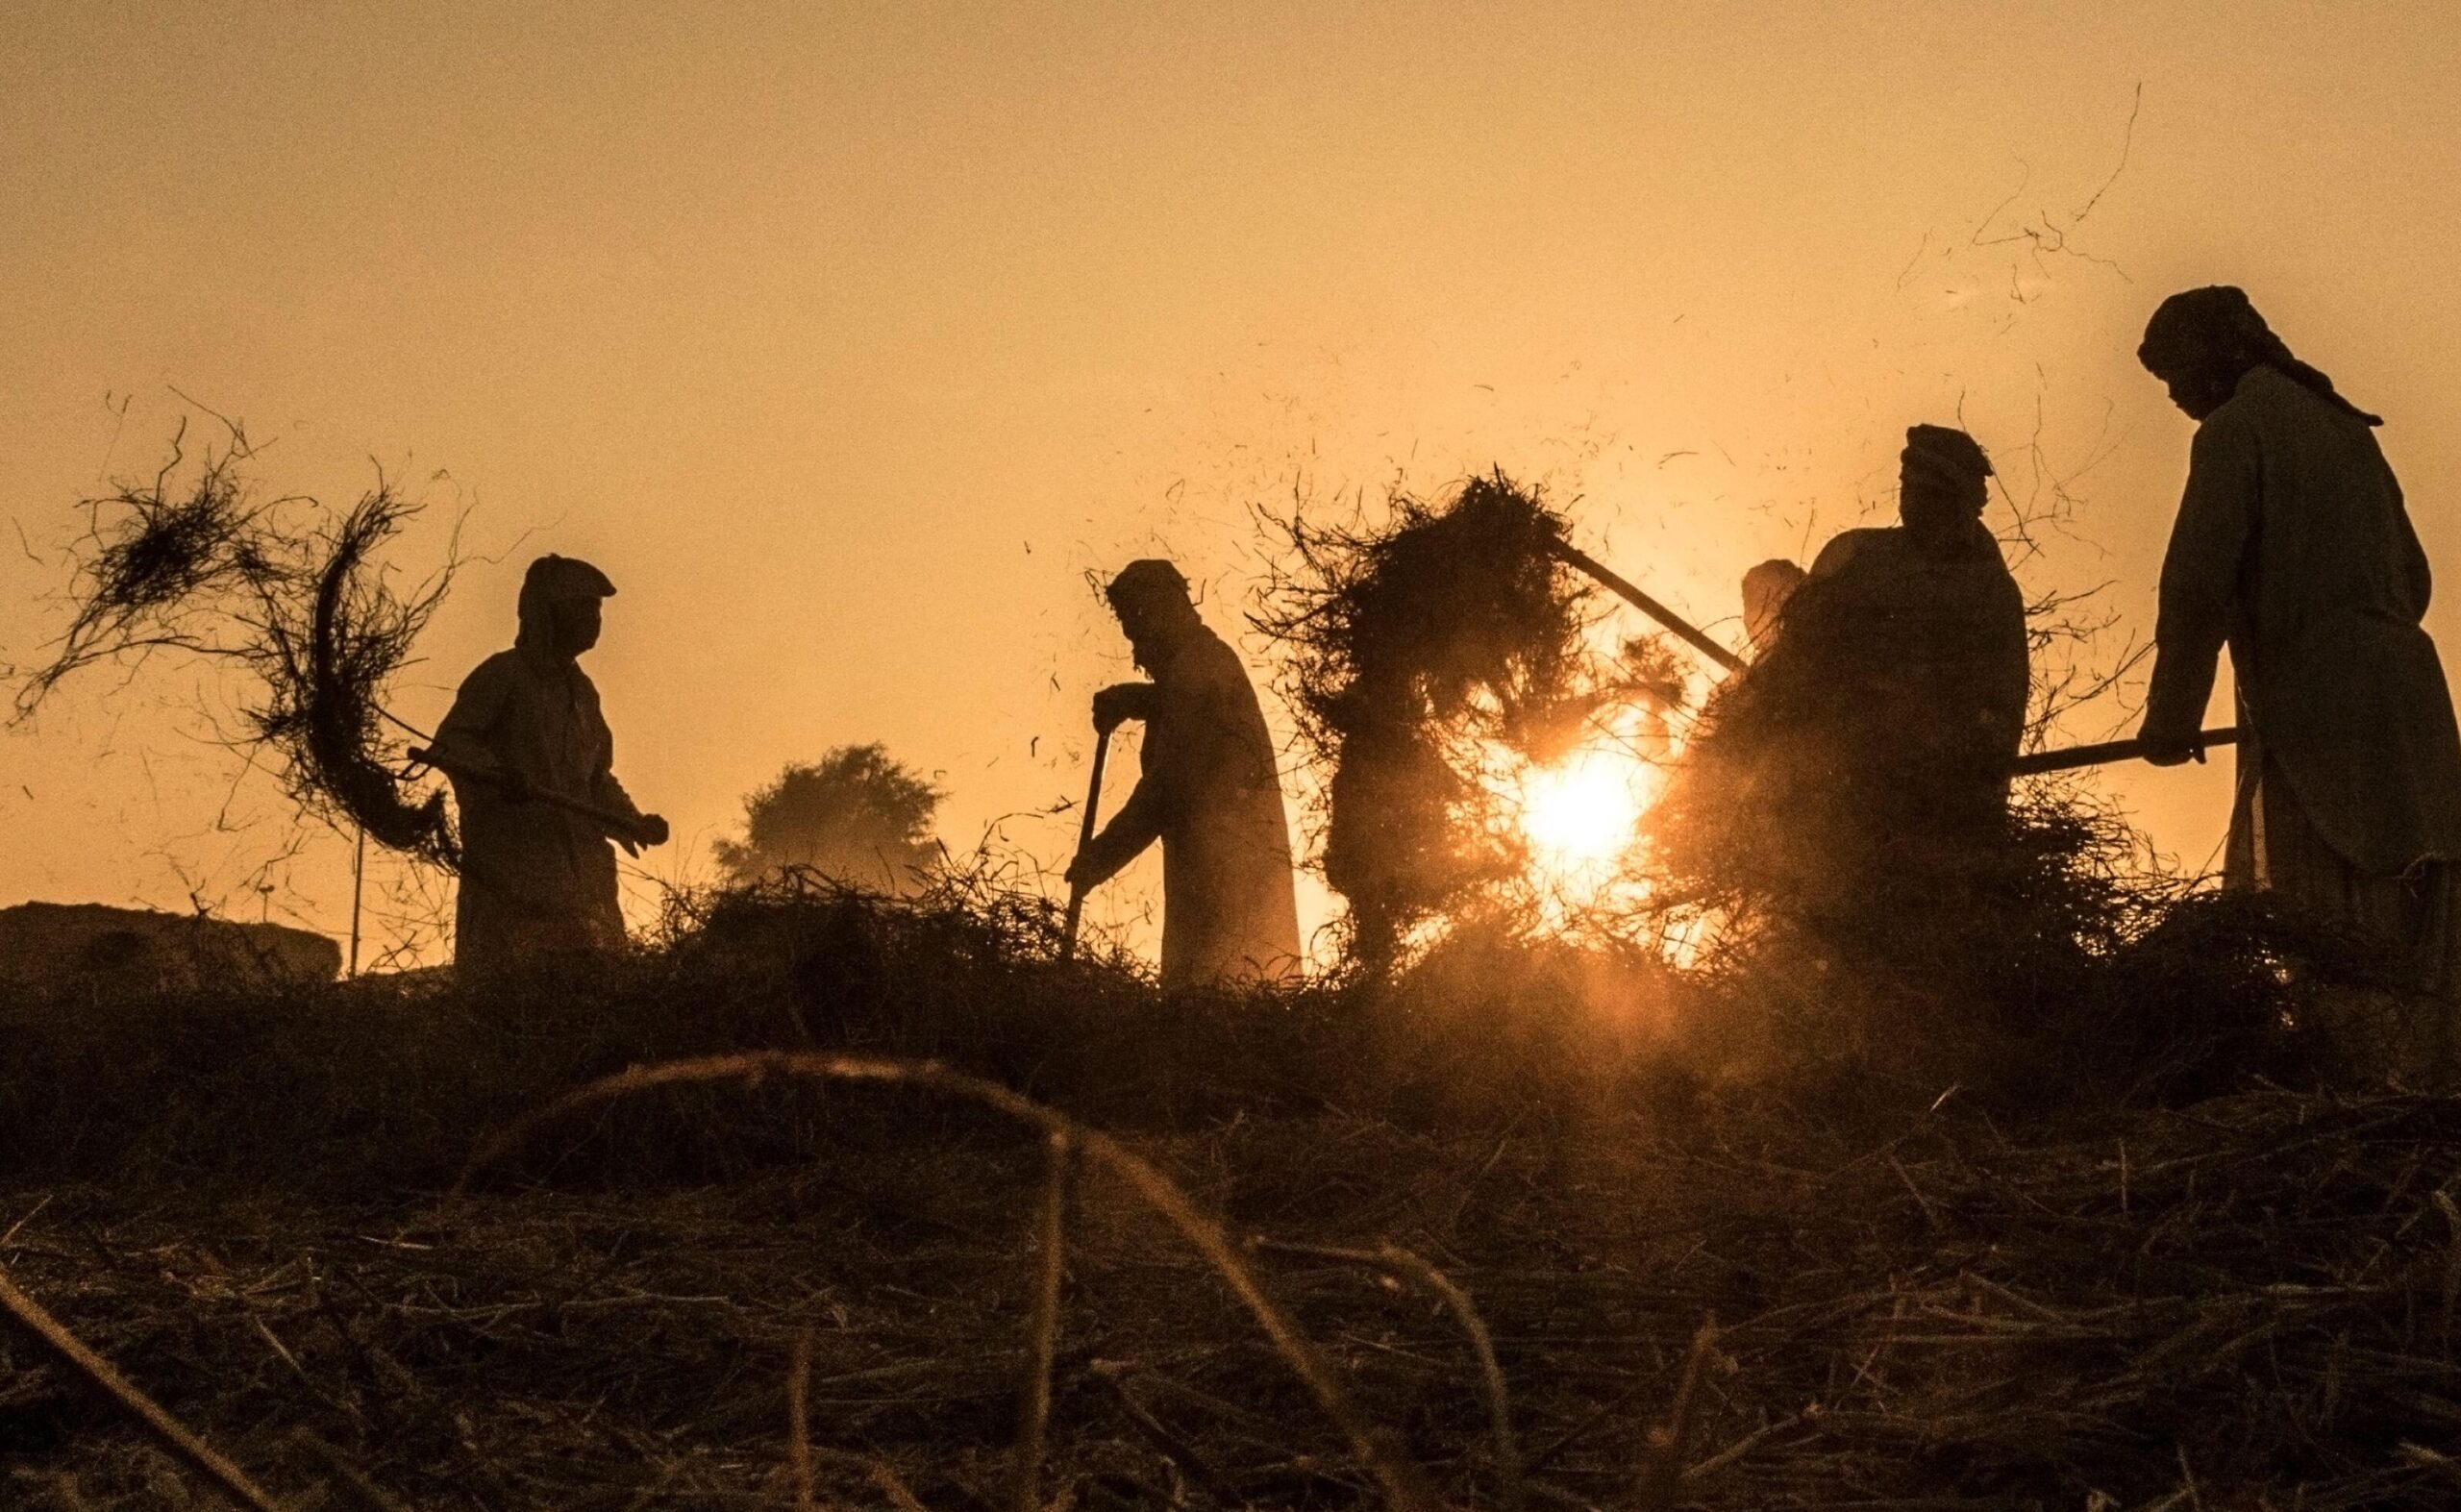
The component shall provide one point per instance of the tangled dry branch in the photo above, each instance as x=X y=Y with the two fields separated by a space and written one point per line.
x=1438 y=627
x=295 y=597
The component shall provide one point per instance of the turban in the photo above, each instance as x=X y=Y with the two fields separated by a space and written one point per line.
x=1950 y=455
x=1148 y=581
x=2219 y=326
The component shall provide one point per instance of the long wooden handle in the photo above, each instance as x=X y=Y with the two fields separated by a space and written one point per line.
x=2070 y=757
x=607 y=818
x=1084 y=835
x=1684 y=630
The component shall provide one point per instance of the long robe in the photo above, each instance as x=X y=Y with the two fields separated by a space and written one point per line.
x=2293 y=547
x=1858 y=769
x=1923 y=646
x=535 y=879
x=1209 y=792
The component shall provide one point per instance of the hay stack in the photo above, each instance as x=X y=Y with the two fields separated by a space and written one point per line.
x=1443 y=628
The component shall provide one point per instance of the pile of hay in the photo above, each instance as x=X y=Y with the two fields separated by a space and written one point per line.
x=303 y=607
x=1440 y=629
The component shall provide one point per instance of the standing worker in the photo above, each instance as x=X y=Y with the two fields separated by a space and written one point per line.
x=2294 y=548
x=1921 y=634
x=1209 y=791
x=1887 y=709
x=528 y=751
x=1853 y=781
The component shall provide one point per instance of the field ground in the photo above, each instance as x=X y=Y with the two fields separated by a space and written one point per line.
x=2246 y=1303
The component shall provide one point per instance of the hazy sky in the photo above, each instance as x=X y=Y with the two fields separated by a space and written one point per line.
x=846 y=339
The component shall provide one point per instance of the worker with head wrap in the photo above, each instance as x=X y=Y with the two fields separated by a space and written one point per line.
x=1920 y=631
x=2294 y=548
x=1208 y=792
x=1859 y=767
x=527 y=747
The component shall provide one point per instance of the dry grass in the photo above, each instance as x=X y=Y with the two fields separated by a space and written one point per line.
x=1403 y=638
x=1488 y=1208
x=296 y=597
x=2249 y=1304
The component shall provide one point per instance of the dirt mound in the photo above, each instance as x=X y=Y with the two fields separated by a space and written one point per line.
x=45 y=945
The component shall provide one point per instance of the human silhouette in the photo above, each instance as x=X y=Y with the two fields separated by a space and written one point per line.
x=1921 y=632
x=524 y=745
x=1209 y=791
x=1857 y=771
x=1766 y=589
x=2294 y=548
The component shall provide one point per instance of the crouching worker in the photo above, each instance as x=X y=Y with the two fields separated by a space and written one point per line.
x=532 y=763
x=1208 y=792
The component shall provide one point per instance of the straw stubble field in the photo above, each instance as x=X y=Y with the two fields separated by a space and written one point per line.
x=2246 y=1303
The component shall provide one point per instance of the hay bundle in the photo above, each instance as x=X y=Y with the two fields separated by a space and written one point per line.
x=304 y=609
x=141 y=577
x=329 y=641
x=1442 y=629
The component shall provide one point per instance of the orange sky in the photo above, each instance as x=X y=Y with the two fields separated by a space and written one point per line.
x=846 y=339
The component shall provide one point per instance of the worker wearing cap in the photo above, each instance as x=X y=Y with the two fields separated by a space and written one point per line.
x=537 y=877
x=1208 y=792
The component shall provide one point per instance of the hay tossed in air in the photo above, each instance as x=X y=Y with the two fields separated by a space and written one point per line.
x=143 y=578
x=305 y=609
x=1443 y=626
x=326 y=658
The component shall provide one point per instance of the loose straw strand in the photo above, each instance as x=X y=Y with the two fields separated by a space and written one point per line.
x=175 y=1435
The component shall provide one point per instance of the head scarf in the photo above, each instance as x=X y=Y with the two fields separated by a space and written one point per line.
x=553 y=580
x=1950 y=455
x=1148 y=582
x=1766 y=589
x=2218 y=325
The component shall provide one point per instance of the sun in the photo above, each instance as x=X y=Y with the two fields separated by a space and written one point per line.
x=1577 y=822
x=1581 y=812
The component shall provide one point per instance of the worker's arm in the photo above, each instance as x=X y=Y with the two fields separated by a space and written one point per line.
x=1122 y=702
x=1160 y=787
x=1139 y=824
x=2201 y=586
x=607 y=794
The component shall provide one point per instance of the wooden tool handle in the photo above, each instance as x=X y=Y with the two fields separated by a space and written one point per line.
x=2070 y=757
x=1084 y=835
x=1684 y=630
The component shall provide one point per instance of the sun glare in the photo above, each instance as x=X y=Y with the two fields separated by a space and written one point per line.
x=1582 y=810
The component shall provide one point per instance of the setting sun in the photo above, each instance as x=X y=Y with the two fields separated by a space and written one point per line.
x=1582 y=810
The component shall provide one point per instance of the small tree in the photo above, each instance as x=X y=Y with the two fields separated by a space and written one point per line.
x=856 y=815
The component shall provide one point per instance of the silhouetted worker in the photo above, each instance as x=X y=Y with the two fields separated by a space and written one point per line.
x=1209 y=791
x=538 y=878
x=1766 y=589
x=2294 y=548
x=1921 y=632
x=1857 y=771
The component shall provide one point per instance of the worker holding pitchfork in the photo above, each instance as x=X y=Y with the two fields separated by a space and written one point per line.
x=1209 y=791
x=533 y=769
x=2293 y=547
